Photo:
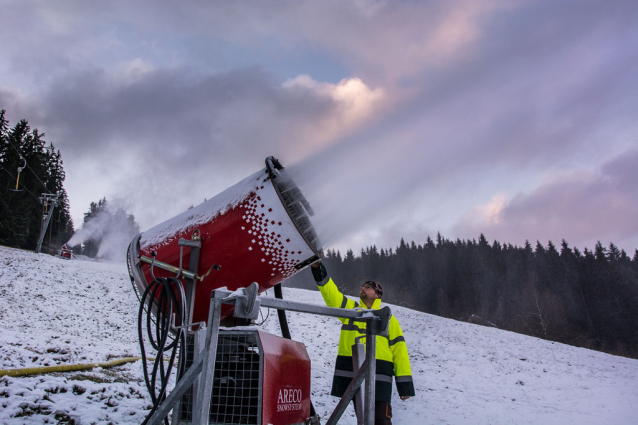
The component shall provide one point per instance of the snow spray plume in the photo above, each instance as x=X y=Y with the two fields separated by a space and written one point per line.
x=111 y=233
x=349 y=190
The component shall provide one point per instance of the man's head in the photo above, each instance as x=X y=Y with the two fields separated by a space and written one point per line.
x=370 y=291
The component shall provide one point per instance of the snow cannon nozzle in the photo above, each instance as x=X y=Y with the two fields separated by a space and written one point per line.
x=273 y=166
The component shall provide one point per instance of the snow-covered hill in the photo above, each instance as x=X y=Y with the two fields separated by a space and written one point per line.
x=54 y=311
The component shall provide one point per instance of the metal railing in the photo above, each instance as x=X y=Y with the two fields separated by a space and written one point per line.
x=247 y=304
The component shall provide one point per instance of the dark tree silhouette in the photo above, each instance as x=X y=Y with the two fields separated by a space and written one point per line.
x=587 y=299
x=28 y=169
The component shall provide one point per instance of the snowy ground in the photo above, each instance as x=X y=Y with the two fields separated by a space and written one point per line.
x=54 y=311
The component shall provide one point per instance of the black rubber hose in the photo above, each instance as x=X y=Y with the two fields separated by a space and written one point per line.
x=283 y=322
x=168 y=301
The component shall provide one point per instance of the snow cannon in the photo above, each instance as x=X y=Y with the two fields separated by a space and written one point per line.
x=258 y=230
x=66 y=252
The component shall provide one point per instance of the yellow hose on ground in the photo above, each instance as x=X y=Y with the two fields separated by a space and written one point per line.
x=67 y=368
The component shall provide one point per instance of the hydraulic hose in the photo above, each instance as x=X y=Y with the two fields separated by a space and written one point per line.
x=283 y=322
x=167 y=295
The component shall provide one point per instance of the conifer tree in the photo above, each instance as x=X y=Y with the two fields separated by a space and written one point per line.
x=30 y=169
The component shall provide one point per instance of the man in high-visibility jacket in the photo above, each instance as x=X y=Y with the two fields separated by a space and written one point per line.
x=391 y=352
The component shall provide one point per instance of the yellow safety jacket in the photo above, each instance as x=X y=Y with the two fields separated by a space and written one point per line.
x=391 y=353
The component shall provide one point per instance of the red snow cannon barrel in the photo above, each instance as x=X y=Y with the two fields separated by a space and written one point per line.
x=66 y=252
x=255 y=231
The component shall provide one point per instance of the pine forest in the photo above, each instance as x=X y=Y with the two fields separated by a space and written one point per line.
x=31 y=177
x=586 y=299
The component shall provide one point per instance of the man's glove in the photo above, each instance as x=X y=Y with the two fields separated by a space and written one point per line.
x=319 y=272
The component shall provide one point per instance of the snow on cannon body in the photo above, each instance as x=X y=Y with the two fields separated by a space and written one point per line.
x=255 y=231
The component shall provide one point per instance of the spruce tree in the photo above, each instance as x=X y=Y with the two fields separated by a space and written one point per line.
x=29 y=169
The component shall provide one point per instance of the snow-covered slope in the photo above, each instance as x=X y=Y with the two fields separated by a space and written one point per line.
x=54 y=311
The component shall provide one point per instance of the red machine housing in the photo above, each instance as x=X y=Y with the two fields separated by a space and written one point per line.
x=286 y=384
x=256 y=231
x=259 y=379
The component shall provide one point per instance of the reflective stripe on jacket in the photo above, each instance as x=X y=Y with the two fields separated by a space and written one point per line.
x=391 y=354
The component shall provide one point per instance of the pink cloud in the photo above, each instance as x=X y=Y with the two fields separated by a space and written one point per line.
x=579 y=207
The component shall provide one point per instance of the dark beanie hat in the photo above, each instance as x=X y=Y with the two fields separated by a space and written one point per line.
x=377 y=288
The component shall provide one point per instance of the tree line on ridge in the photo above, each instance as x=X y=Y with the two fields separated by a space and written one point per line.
x=587 y=299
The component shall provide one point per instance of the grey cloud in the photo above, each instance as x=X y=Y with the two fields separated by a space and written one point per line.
x=622 y=174
x=176 y=116
x=179 y=132
x=511 y=110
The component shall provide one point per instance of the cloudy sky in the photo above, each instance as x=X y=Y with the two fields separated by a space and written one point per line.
x=515 y=119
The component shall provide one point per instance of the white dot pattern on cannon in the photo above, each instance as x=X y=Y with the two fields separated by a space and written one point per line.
x=268 y=236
